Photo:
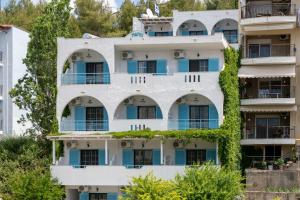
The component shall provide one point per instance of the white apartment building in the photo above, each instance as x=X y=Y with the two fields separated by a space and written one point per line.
x=13 y=48
x=270 y=78
x=162 y=76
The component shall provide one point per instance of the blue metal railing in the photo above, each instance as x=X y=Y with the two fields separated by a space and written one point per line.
x=185 y=124
x=85 y=78
x=84 y=125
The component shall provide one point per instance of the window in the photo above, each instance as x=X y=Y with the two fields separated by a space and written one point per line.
x=196 y=32
x=198 y=65
x=98 y=196
x=146 y=112
x=268 y=127
x=94 y=118
x=231 y=35
x=94 y=73
x=272 y=89
x=161 y=34
x=273 y=152
x=259 y=50
x=195 y=156
x=89 y=157
x=147 y=67
x=199 y=117
x=143 y=157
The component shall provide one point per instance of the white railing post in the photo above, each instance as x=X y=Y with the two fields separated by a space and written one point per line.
x=162 y=152
x=53 y=152
x=106 y=153
x=217 y=154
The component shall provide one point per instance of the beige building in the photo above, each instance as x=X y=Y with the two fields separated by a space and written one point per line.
x=270 y=78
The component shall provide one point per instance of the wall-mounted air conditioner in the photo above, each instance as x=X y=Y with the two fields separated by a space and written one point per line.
x=126 y=55
x=179 y=54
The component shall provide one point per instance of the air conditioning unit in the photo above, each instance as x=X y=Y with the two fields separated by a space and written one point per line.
x=178 y=144
x=71 y=144
x=126 y=144
x=84 y=188
x=128 y=101
x=147 y=28
x=126 y=55
x=284 y=37
x=181 y=100
x=179 y=54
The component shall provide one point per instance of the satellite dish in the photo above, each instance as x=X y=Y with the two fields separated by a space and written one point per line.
x=144 y=16
x=149 y=13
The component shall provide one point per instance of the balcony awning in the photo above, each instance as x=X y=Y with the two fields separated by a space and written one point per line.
x=267 y=71
x=264 y=108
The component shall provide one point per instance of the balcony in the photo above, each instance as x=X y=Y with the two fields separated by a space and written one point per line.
x=268 y=16
x=276 y=95
x=185 y=124
x=137 y=124
x=272 y=135
x=85 y=78
x=268 y=54
x=84 y=125
x=110 y=175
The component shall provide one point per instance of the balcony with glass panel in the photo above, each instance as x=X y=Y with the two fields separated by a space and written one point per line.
x=259 y=15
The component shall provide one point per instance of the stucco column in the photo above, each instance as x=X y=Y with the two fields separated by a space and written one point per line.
x=162 y=152
x=106 y=152
x=53 y=152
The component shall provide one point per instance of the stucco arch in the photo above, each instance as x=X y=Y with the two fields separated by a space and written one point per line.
x=135 y=95
x=192 y=20
x=233 y=22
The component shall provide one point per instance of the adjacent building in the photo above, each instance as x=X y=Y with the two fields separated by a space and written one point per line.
x=269 y=77
x=13 y=48
x=162 y=76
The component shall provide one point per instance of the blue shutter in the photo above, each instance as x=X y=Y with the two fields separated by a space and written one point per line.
x=205 y=32
x=80 y=118
x=185 y=33
x=105 y=120
x=180 y=157
x=151 y=34
x=131 y=112
x=132 y=66
x=80 y=70
x=158 y=113
x=211 y=155
x=74 y=157
x=161 y=67
x=170 y=33
x=101 y=157
x=213 y=64
x=183 y=116
x=106 y=76
x=84 y=196
x=183 y=65
x=156 y=156
x=112 y=196
x=213 y=117
x=127 y=157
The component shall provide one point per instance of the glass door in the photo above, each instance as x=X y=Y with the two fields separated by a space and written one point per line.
x=267 y=127
x=94 y=73
x=198 y=117
x=94 y=118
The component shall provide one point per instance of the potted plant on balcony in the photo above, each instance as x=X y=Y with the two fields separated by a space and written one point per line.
x=270 y=166
x=279 y=163
x=264 y=165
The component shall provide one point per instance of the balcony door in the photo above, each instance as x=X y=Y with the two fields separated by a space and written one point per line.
x=267 y=127
x=270 y=89
x=259 y=50
x=147 y=67
x=195 y=156
x=94 y=73
x=98 y=196
x=142 y=157
x=94 y=118
x=199 y=117
x=198 y=65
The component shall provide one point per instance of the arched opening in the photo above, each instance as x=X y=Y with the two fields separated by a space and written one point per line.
x=229 y=28
x=138 y=107
x=191 y=27
x=193 y=111
x=85 y=66
x=84 y=113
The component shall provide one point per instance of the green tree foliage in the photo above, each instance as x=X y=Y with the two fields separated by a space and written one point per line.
x=206 y=182
x=127 y=11
x=221 y=4
x=36 y=91
x=24 y=170
x=151 y=188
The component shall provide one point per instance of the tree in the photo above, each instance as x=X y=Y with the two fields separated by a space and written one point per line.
x=151 y=188
x=209 y=182
x=36 y=184
x=127 y=11
x=36 y=91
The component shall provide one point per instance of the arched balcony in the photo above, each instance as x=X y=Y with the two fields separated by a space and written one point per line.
x=84 y=113
x=138 y=112
x=191 y=27
x=85 y=66
x=193 y=111
x=229 y=28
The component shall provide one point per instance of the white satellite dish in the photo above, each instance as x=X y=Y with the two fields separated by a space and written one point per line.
x=149 y=13
x=144 y=15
